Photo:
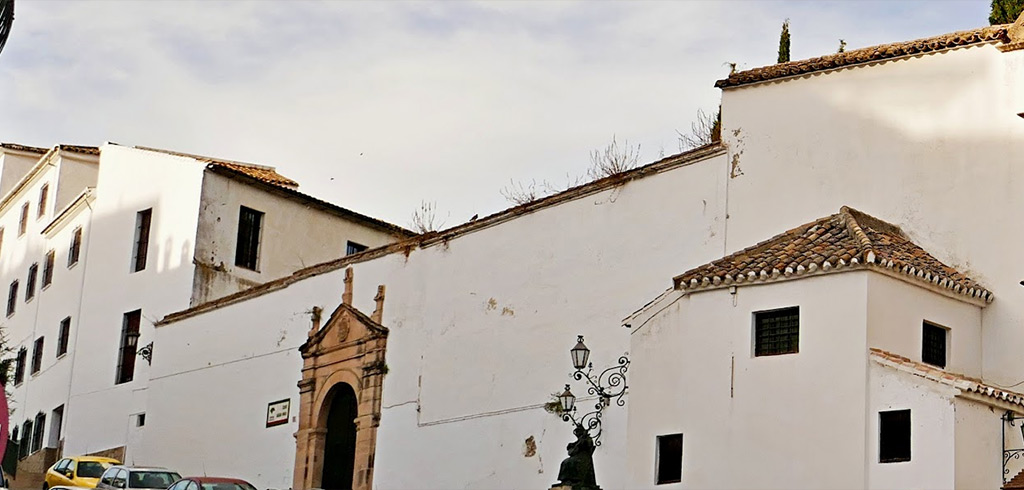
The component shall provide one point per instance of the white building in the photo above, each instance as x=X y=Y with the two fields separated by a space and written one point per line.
x=97 y=243
x=924 y=135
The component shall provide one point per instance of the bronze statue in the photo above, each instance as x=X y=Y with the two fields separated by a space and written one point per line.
x=577 y=471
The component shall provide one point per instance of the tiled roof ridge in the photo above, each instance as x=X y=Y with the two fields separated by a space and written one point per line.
x=881 y=52
x=424 y=240
x=265 y=173
x=823 y=252
x=960 y=381
x=24 y=148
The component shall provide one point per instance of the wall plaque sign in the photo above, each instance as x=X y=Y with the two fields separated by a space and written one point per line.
x=278 y=412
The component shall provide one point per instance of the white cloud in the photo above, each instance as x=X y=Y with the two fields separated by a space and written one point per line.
x=376 y=106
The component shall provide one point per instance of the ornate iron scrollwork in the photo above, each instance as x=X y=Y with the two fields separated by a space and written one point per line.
x=607 y=385
x=147 y=353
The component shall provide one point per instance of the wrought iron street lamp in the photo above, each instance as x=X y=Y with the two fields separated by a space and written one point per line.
x=577 y=471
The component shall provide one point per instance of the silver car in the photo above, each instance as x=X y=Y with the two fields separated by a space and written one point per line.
x=123 y=477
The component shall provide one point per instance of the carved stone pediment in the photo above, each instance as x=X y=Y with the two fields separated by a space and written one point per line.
x=345 y=325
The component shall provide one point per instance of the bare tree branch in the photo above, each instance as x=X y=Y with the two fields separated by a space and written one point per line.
x=424 y=219
x=705 y=130
x=517 y=193
x=613 y=160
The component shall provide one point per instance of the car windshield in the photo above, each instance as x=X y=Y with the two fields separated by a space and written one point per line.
x=90 y=469
x=152 y=479
x=227 y=486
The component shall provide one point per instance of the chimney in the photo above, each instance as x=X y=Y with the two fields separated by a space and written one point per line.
x=378 y=312
x=346 y=298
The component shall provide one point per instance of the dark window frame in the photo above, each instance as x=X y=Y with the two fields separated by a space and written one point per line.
x=37 y=355
x=895 y=431
x=128 y=350
x=140 y=247
x=250 y=230
x=38 y=432
x=44 y=194
x=64 y=336
x=20 y=366
x=668 y=459
x=12 y=298
x=76 y=247
x=48 y=264
x=30 y=281
x=23 y=220
x=934 y=344
x=26 y=439
x=354 y=248
x=775 y=333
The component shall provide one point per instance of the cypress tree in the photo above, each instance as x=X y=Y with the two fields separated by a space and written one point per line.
x=784 y=40
x=1005 y=11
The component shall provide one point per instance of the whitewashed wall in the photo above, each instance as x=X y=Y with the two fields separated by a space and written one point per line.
x=978 y=452
x=41 y=316
x=787 y=421
x=930 y=143
x=99 y=412
x=897 y=310
x=294 y=235
x=480 y=332
x=13 y=166
x=932 y=429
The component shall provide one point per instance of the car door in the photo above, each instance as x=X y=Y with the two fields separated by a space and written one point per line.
x=179 y=485
x=107 y=480
x=56 y=474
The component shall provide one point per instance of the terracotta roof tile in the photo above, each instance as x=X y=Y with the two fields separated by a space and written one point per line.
x=25 y=148
x=990 y=34
x=1016 y=483
x=963 y=383
x=259 y=172
x=848 y=239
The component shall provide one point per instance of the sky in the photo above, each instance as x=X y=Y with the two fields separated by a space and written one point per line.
x=381 y=106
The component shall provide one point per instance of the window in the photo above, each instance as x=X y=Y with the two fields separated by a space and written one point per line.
x=140 y=420
x=23 y=221
x=37 y=356
x=37 y=435
x=26 y=439
x=139 y=252
x=777 y=331
x=129 y=343
x=62 y=465
x=354 y=248
x=12 y=298
x=43 y=194
x=933 y=344
x=48 y=268
x=30 y=282
x=894 y=436
x=56 y=420
x=669 y=459
x=19 y=366
x=76 y=247
x=247 y=250
x=63 y=336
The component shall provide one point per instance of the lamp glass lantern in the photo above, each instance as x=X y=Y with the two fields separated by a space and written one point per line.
x=580 y=354
x=567 y=400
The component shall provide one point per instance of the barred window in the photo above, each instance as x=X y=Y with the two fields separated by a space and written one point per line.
x=37 y=356
x=354 y=248
x=248 y=246
x=777 y=331
x=37 y=435
x=894 y=436
x=12 y=298
x=933 y=344
x=19 y=366
x=30 y=282
x=23 y=221
x=48 y=268
x=76 y=247
x=64 y=336
x=43 y=194
x=140 y=249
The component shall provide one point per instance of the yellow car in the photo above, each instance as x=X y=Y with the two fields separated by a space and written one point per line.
x=82 y=471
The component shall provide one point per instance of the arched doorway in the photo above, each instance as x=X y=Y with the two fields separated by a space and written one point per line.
x=340 y=441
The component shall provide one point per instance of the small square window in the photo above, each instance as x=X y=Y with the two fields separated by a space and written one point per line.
x=354 y=248
x=777 y=331
x=669 y=459
x=894 y=436
x=933 y=344
x=140 y=420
